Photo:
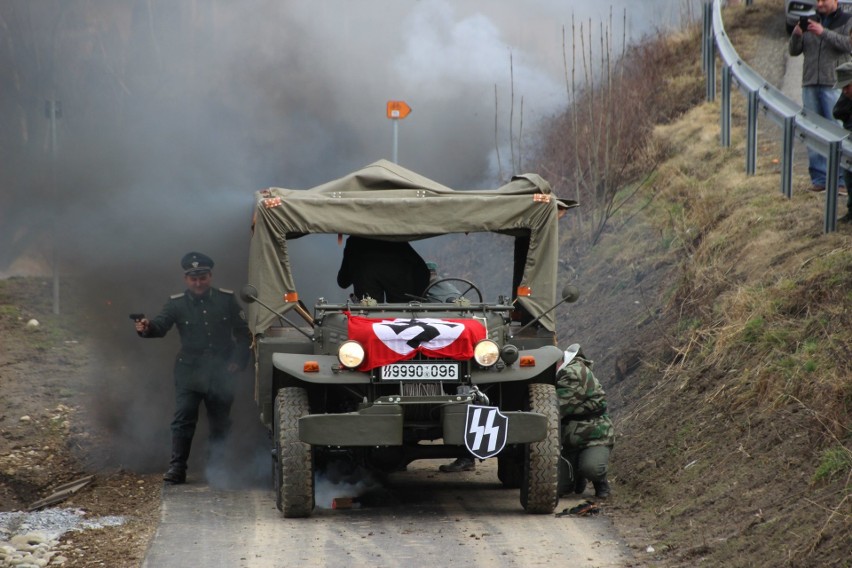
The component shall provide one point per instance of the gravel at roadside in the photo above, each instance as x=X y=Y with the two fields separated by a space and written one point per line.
x=31 y=539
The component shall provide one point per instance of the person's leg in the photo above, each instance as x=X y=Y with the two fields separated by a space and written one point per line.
x=565 y=472
x=183 y=429
x=827 y=99
x=592 y=465
x=849 y=199
x=816 y=161
x=848 y=217
x=219 y=415
x=466 y=463
x=570 y=479
x=218 y=401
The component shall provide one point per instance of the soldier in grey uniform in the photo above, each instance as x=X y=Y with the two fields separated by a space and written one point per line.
x=215 y=345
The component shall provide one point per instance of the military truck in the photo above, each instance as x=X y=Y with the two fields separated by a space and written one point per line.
x=381 y=385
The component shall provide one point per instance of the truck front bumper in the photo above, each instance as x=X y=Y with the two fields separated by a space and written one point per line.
x=383 y=425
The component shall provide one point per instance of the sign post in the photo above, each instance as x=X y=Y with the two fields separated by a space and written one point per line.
x=397 y=110
x=53 y=111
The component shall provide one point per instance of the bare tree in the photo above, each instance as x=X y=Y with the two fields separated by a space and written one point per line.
x=595 y=150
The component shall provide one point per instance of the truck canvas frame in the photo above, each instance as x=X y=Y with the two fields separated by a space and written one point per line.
x=318 y=388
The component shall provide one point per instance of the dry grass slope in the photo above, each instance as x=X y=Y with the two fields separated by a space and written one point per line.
x=734 y=442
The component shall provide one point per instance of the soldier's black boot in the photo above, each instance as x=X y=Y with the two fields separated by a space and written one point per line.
x=601 y=488
x=565 y=482
x=579 y=484
x=461 y=464
x=177 y=466
x=216 y=452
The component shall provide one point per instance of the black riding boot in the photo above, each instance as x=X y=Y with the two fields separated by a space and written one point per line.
x=580 y=484
x=564 y=476
x=177 y=466
x=601 y=488
x=215 y=452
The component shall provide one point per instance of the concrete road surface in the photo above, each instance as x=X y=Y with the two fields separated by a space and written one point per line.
x=420 y=518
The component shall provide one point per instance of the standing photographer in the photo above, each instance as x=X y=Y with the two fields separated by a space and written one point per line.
x=824 y=40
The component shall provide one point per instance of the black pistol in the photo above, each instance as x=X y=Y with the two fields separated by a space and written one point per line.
x=137 y=317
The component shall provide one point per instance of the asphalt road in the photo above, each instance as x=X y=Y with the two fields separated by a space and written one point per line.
x=422 y=517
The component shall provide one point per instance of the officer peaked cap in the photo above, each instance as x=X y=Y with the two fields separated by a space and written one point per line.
x=195 y=263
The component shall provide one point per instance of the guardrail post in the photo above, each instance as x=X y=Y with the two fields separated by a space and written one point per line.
x=726 y=106
x=787 y=158
x=711 y=70
x=706 y=31
x=709 y=52
x=751 y=137
x=831 y=187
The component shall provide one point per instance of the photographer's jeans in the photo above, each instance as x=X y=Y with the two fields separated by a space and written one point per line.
x=820 y=99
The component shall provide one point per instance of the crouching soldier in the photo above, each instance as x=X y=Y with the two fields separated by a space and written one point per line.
x=587 y=431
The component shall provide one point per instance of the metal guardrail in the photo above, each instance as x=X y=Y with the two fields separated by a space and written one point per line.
x=818 y=133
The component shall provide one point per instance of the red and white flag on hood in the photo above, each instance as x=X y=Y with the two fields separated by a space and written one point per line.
x=387 y=341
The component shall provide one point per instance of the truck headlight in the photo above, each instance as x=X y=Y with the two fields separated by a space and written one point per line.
x=350 y=354
x=486 y=352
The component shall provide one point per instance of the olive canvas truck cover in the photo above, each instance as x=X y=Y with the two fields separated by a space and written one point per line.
x=385 y=200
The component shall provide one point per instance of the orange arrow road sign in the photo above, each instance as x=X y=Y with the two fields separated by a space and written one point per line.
x=398 y=109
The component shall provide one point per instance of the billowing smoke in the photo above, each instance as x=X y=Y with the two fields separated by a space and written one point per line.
x=341 y=481
x=174 y=113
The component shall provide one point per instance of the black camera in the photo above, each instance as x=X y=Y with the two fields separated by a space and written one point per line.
x=803 y=23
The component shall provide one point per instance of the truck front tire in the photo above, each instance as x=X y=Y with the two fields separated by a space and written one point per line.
x=540 y=486
x=294 y=476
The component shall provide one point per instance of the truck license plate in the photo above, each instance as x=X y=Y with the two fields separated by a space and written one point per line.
x=420 y=372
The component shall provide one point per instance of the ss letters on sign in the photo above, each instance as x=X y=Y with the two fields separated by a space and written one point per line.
x=486 y=429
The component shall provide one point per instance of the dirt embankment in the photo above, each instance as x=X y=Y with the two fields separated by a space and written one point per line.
x=721 y=318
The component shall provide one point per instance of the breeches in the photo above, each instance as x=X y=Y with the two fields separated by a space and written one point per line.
x=206 y=381
x=590 y=463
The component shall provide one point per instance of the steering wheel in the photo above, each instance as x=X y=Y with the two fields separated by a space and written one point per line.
x=470 y=287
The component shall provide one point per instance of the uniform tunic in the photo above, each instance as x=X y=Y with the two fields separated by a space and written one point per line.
x=213 y=334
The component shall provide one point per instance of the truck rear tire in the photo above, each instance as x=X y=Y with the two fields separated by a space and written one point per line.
x=294 y=476
x=540 y=486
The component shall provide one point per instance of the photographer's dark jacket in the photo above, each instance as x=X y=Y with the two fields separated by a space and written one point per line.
x=210 y=326
x=824 y=52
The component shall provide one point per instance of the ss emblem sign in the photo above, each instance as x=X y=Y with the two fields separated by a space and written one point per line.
x=486 y=429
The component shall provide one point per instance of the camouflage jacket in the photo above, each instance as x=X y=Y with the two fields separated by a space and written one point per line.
x=582 y=407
